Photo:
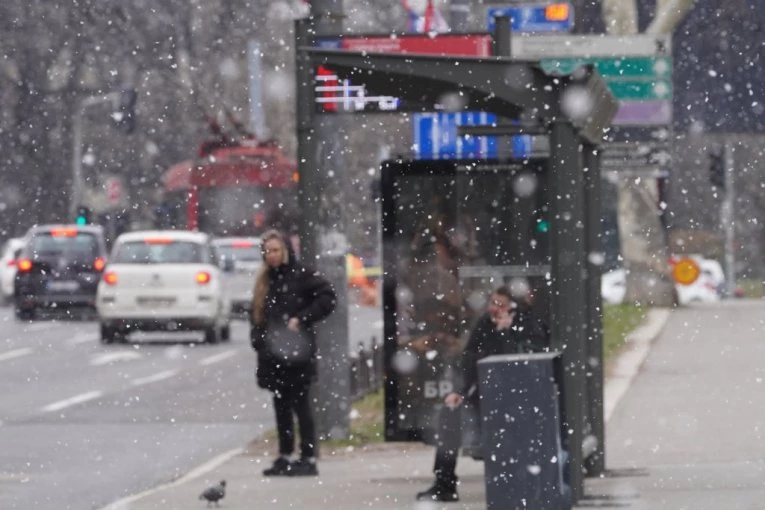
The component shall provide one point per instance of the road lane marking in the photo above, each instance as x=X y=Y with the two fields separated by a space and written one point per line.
x=67 y=402
x=154 y=378
x=82 y=338
x=38 y=326
x=16 y=353
x=111 y=357
x=215 y=358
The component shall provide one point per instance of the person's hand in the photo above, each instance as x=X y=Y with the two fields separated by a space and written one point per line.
x=294 y=324
x=504 y=320
x=453 y=400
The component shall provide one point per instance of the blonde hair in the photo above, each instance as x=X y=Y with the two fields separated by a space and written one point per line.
x=262 y=281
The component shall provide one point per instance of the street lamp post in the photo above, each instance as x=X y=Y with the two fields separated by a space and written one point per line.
x=78 y=183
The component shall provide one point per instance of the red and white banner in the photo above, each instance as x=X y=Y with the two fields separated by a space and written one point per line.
x=424 y=17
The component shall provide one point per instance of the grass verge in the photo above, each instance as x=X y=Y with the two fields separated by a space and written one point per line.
x=751 y=288
x=366 y=423
x=618 y=321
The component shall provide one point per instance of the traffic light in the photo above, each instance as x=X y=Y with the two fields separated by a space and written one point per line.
x=717 y=169
x=83 y=215
x=125 y=114
x=541 y=221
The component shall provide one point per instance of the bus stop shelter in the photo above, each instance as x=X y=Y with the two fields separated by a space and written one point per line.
x=572 y=111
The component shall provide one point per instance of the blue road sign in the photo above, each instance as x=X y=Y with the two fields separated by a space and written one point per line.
x=435 y=136
x=522 y=146
x=557 y=17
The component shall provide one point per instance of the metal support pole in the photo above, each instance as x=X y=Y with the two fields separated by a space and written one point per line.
x=78 y=181
x=595 y=463
x=322 y=224
x=501 y=37
x=254 y=68
x=569 y=272
x=459 y=14
x=728 y=220
x=309 y=198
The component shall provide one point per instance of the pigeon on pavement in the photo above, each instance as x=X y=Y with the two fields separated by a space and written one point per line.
x=215 y=493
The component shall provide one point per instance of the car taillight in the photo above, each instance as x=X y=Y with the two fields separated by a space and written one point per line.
x=11 y=263
x=63 y=232
x=110 y=278
x=24 y=265
x=99 y=264
x=203 y=277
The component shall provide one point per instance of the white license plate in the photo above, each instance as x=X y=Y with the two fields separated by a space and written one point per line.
x=155 y=301
x=65 y=285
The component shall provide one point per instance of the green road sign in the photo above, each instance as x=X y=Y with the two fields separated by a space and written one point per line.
x=629 y=78
x=640 y=90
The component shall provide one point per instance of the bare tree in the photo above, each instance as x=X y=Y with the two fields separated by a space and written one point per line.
x=642 y=236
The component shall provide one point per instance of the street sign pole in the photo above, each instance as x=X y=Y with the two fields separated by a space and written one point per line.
x=728 y=220
x=323 y=221
x=596 y=461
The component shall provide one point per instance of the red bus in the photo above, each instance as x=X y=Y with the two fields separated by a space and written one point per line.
x=238 y=190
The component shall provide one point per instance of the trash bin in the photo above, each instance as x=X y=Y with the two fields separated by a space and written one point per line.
x=524 y=462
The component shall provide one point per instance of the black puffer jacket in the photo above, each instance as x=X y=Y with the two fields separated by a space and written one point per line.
x=294 y=291
x=526 y=335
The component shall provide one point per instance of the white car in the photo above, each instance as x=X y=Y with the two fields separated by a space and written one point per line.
x=613 y=287
x=8 y=258
x=703 y=290
x=163 y=281
x=241 y=259
x=714 y=272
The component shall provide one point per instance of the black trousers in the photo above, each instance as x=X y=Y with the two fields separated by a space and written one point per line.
x=291 y=401
x=448 y=442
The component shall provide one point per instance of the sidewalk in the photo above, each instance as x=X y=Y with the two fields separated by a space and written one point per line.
x=689 y=432
x=379 y=477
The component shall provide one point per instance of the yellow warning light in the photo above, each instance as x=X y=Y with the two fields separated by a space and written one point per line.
x=685 y=271
x=557 y=12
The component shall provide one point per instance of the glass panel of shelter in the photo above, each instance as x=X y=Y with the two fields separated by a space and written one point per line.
x=460 y=233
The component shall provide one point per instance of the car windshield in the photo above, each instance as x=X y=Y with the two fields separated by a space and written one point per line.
x=149 y=252
x=240 y=252
x=69 y=245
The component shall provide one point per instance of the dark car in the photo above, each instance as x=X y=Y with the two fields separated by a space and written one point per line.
x=59 y=267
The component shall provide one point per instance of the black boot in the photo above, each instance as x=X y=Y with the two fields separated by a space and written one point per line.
x=281 y=467
x=444 y=490
x=304 y=467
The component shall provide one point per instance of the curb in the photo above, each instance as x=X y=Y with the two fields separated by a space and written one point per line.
x=627 y=364
x=210 y=465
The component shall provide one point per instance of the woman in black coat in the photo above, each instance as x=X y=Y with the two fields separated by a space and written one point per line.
x=292 y=296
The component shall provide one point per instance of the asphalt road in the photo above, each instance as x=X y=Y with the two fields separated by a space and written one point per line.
x=82 y=424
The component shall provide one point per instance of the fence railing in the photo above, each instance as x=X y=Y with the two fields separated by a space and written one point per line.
x=366 y=367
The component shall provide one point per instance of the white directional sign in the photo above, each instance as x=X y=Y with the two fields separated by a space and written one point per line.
x=538 y=47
